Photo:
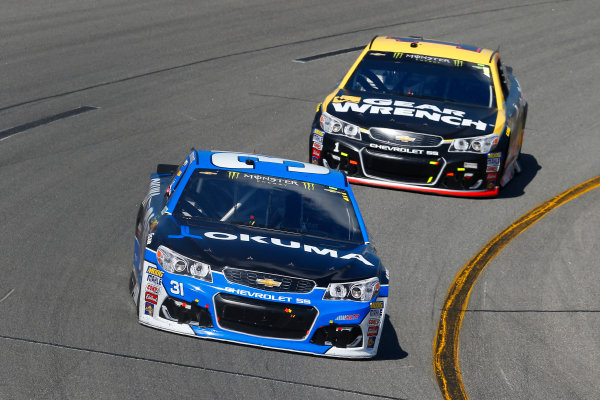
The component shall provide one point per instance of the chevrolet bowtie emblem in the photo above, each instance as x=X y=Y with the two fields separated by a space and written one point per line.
x=268 y=282
x=405 y=138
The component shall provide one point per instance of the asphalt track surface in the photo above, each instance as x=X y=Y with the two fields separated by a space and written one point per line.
x=95 y=93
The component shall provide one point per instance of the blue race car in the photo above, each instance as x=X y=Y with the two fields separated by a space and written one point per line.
x=258 y=250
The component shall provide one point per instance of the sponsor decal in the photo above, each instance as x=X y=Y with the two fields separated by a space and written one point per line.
x=494 y=155
x=151 y=297
x=154 y=279
x=270 y=179
x=148 y=216
x=371 y=342
x=149 y=309
x=377 y=304
x=291 y=244
x=493 y=168
x=373 y=331
x=342 y=99
x=376 y=312
x=406 y=109
x=317 y=138
x=349 y=317
x=233 y=175
x=492 y=176
x=152 y=288
x=155 y=272
x=491 y=185
x=316 y=153
x=153 y=223
x=318 y=146
x=398 y=149
x=315 y=160
x=318 y=132
x=434 y=60
x=149 y=238
x=374 y=321
x=309 y=185
x=493 y=161
x=153 y=190
x=470 y=165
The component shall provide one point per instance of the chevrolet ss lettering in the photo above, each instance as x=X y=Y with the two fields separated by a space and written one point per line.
x=258 y=250
x=266 y=296
x=412 y=112
x=403 y=149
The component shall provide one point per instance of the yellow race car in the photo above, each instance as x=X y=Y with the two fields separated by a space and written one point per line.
x=423 y=115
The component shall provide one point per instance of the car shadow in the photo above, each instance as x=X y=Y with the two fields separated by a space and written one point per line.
x=389 y=346
x=529 y=169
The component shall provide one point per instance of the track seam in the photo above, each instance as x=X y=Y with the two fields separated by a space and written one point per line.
x=207 y=369
x=277 y=46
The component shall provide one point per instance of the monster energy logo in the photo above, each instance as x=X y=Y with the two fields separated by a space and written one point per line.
x=233 y=175
x=309 y=186
x=458 y=63
x=398 y=55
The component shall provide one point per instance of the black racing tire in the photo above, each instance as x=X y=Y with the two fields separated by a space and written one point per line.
x=132 y=284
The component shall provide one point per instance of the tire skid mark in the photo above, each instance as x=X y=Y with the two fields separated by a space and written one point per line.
x=8 y=294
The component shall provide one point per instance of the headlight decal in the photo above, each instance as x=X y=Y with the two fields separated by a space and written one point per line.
x=331 y=124
x=175 y=263
x=364 y=290
x=477 y=144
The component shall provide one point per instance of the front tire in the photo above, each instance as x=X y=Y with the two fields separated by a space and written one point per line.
x=133 y=285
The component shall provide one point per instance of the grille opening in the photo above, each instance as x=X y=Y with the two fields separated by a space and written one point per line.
x=268 y=282
x=401 y=168
x=342 y=336
x=185 y=313
x=405 y=138
x=264 y=318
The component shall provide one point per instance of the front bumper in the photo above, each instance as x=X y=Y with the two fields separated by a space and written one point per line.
x=428 y=170
x=226 y=311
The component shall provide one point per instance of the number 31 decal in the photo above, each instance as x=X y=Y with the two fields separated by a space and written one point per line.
x=176 y=288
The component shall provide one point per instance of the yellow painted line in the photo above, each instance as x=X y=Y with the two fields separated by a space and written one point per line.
x=445 y=344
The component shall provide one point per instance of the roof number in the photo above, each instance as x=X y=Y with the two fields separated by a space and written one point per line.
x=238 y=161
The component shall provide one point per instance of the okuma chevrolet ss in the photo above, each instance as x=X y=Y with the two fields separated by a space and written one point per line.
x=423 y=115
x=258 y=250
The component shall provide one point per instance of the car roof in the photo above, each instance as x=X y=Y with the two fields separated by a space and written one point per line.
x=433 y=48
x=268 y=165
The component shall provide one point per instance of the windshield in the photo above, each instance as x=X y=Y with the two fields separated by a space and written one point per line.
x=268 y=202
x=416 y=75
